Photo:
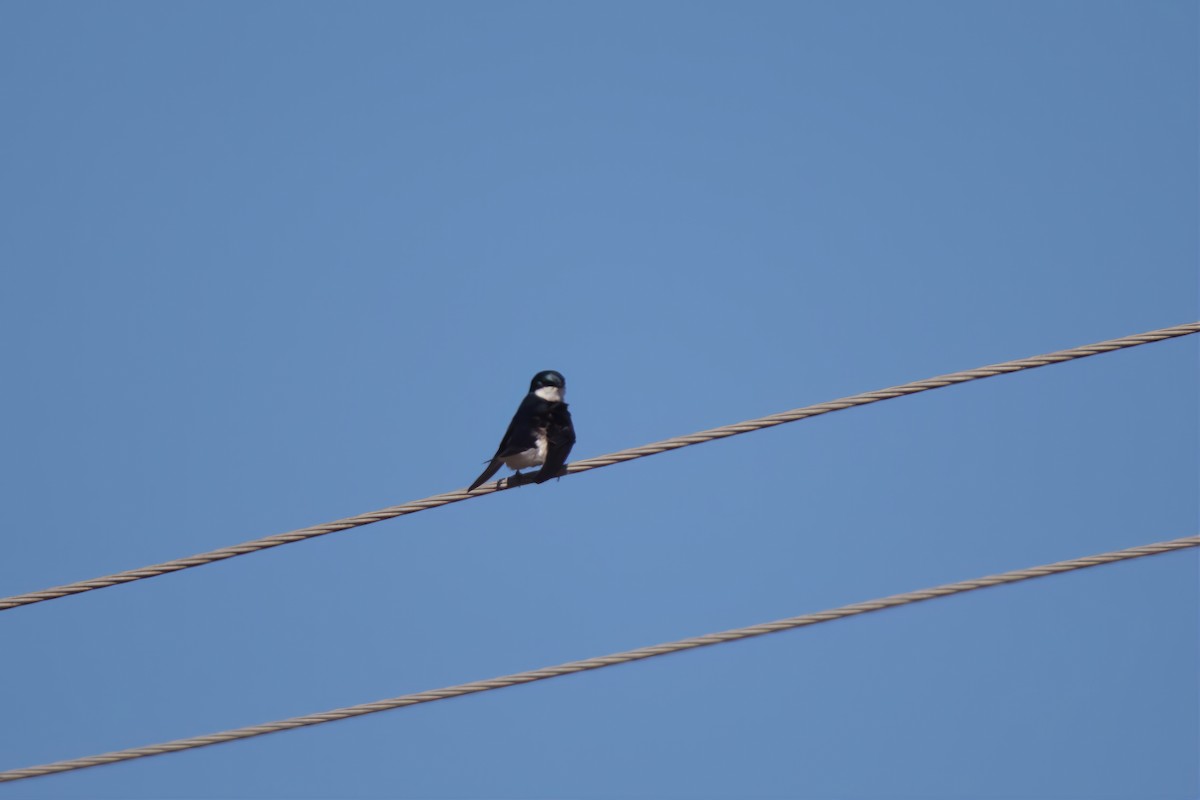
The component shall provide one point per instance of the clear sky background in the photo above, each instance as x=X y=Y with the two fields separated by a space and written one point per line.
x=268 y=264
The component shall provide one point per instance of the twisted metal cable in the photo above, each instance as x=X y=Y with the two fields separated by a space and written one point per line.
x=630 y=454
x=587 y=664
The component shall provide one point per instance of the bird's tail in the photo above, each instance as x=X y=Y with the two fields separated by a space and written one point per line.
x=491 y=469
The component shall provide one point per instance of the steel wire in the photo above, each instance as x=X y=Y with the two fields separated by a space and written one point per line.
x=571 y=667
x=865 y=398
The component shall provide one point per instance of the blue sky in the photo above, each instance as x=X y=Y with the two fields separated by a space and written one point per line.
x=268 y=264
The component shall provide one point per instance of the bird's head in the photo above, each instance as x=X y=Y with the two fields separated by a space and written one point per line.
x=549 y=385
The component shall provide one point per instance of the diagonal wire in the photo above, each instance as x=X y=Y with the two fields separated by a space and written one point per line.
x=620 y=456
x=585 y=665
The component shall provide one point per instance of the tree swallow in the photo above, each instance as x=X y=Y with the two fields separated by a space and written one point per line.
x=540 y=432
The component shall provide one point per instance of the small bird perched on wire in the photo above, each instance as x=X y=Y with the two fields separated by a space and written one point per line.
x=540 y=434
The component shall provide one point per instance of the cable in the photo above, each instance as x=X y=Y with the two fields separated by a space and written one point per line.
x=585 y=665
x=630 y=454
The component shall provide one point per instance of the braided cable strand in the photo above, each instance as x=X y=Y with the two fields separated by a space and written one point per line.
x=587 y=664
x=866 y=398
x=630 y=454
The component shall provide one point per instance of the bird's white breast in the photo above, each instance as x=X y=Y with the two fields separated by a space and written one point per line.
x=533 y=457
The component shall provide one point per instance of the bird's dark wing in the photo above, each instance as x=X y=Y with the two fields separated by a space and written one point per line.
x=516 y=438
x=530 y=416
x=561 y=435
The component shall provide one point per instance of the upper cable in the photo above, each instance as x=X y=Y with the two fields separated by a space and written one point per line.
x=865 y=398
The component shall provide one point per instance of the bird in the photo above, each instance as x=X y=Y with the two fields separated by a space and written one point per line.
x=541 y=432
